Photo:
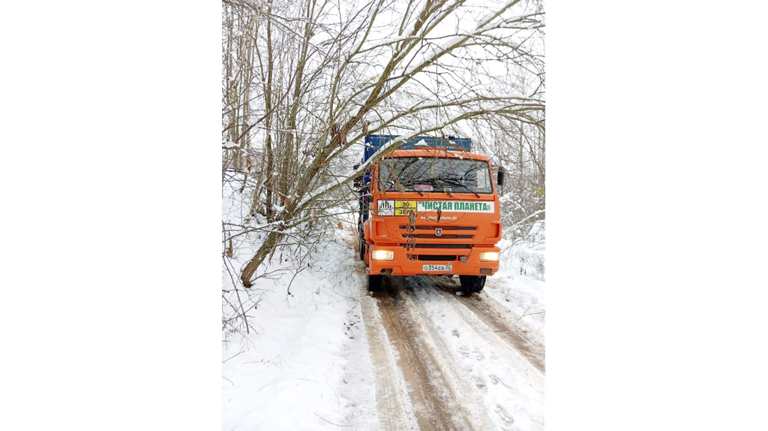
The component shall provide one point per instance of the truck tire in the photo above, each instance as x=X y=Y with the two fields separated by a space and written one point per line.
x=374 y=282
x=472 y=283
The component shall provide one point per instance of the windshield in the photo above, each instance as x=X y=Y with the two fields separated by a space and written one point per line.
x=426 y=174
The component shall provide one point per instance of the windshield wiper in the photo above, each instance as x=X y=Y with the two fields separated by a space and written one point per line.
x=438 y=182
x=455 y=182
x=412 y=186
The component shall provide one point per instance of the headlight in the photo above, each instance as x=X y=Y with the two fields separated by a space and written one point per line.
x=489 y=256
x=383 y=255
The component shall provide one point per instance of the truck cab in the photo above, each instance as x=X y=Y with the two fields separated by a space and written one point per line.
x=430 y=207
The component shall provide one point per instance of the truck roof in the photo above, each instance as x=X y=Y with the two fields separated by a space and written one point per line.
x=375 y=142
x=436 y=152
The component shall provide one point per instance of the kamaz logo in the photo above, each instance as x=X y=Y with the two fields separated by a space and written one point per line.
x=438 y=232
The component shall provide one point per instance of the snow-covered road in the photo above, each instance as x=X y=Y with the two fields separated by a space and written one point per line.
x=450 y=362
x=416 y=355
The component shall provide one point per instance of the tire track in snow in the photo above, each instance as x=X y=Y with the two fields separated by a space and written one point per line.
x=463 y=390
x=533 y=352
x=499 y=386
x=393 y=409
x=430 y=394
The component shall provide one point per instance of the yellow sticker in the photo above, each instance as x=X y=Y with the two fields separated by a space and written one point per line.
x=403 y=207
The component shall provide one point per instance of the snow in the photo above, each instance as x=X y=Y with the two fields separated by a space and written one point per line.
x=306 y=363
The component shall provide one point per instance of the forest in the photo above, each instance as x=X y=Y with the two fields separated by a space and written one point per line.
x=304 y=81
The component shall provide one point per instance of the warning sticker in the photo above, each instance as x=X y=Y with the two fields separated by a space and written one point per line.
x=386 y=208
x=402 y=207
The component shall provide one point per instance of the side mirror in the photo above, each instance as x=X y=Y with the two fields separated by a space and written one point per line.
x=500 y=177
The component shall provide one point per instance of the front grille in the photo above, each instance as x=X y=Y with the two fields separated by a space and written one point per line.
x=438 y=245
x=433 y=257
x=405 y=227
x=448 y=233
x=433 y=236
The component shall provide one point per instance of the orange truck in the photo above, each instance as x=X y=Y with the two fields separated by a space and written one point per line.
x=430 y=207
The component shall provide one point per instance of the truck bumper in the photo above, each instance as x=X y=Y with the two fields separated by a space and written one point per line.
x=412 y=262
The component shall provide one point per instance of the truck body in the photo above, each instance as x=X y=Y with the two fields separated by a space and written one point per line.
x=430 y=207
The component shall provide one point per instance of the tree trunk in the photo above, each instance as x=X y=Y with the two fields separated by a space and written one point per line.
x=269 y=244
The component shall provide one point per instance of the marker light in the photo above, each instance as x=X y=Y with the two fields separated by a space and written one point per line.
x=489 y=256
x=383 y=255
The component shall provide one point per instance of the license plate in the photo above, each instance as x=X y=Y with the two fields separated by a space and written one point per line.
x=438 y=268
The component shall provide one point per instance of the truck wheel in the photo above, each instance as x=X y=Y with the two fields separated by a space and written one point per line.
x=472 y=283
x=374 y=282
